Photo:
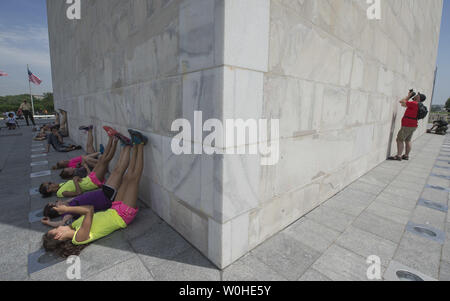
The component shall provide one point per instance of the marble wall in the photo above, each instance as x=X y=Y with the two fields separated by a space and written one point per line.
x=331 y=76
x=334 y=80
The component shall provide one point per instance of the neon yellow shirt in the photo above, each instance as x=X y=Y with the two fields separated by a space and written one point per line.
x=103 y=224
x=86 y=184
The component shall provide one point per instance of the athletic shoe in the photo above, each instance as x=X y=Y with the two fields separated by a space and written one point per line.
x=137 y=137
x=110 y=131
x=125 y=140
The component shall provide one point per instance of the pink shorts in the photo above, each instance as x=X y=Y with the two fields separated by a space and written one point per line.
x=73 y=163
x=95 y=180
x=125 y=212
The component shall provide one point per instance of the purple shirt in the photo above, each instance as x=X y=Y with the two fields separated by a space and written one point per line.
x=94 y=198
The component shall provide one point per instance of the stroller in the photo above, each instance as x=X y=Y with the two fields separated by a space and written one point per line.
x=440 y=127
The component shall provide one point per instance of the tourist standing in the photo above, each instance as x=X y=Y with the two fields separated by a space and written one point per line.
x=26 y=109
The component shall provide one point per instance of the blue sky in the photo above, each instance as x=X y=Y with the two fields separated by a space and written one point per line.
x=24 y=40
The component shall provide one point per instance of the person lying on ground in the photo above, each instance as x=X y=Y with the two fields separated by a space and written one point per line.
x=56 y=141
x=80 y=166
x=70 y=240
x=78 y=185
x=44 y=131
x=40 y=137
x=100 y=199
x=70 y=173
x=90 y=159
x=440 y=127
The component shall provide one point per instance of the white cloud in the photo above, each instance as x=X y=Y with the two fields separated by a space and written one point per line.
x=21 y=57
x=29 y=34
x=19 y=46
x=24 y=45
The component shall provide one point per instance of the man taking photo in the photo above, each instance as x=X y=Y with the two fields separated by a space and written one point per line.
x=410 y=122
x=26 y=110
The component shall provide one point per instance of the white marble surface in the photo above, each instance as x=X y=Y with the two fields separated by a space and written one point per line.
x=246 y=34
x=197 y=41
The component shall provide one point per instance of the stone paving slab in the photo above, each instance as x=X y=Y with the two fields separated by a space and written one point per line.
x=366 y=244
x=288 y=257
x=399 y=272
x=380 y=226
x=250 y=268
x=364 y=185
x=436 y=181
x=349 y=206
x=403 y=192
x=435 y=195
x=391 y=213
x=420 y=254
x=159 y=245
x=401 y=183
x=187 y=266
x=431 y=217
x=397 y=201
x=356 y=194
x=312 y=234
x=331 y=218
x=339 y=264
x=446 y=251
x=313 y=275
x=377 y=178
x=444 y=271
x=130 y=270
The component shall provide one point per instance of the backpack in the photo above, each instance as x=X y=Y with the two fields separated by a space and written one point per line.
x=423 y=111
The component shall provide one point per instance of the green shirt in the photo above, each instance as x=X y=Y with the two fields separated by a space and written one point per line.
x=85 y=185
x=103 y=224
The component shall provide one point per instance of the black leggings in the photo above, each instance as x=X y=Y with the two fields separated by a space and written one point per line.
x=109 y=192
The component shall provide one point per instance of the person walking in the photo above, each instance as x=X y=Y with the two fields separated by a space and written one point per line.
x=26 y=109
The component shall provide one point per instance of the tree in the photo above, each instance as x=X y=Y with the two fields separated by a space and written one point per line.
x=45 y=104
x=447 y=105
x=11 y=103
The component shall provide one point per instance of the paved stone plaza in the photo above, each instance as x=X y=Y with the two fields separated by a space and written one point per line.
x=372 y=216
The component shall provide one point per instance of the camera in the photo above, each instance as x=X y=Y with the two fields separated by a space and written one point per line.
x=413 y=93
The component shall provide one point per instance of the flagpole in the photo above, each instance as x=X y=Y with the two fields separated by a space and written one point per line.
x=31 y=96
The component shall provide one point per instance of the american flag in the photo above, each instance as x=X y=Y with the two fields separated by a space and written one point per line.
x=33 y=78
x=3 y=73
